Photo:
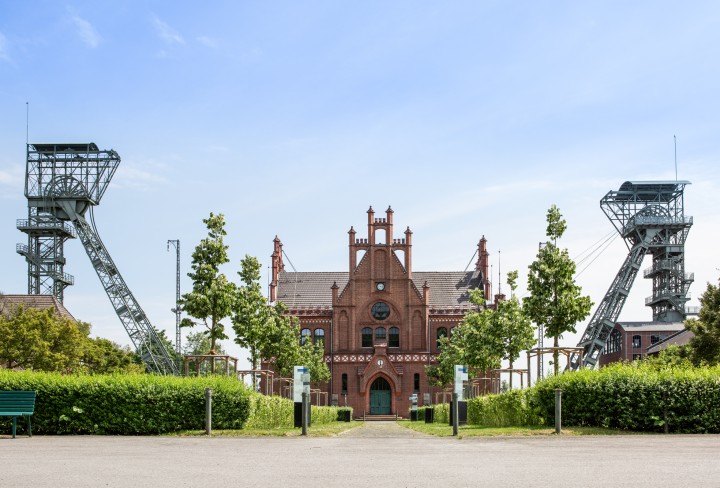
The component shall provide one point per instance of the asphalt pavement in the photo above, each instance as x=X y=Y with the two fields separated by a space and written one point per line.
x=371 y=456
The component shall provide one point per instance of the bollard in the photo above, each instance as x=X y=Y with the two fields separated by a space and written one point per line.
x=304 y=413
x=208 y=411
x=558 y=410
x=456 y=417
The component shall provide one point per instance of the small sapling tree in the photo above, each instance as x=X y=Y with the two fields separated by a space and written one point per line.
x=212 y=295
x=555 y=301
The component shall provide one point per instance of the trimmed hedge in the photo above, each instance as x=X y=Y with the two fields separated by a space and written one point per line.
x=146 y=404
x=508 y=409
x=442 y=413
x=634 y=397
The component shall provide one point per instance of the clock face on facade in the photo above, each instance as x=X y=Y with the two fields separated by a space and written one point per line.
x=379 y=286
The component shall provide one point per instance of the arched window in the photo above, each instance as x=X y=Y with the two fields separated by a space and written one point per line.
x=367 y=337
x=343 y=387
x=614 y=342
x=380 y=334
x=319 y=337
x=394 y=337
x=441 y=332
x=451 y=332
x=304 y=336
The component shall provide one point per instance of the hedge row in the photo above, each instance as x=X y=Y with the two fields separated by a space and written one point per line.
x=634 y=397
x=146 y=404
x=509 y=409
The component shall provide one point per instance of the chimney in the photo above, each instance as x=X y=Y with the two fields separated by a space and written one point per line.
x=483 y=265
x=277 y=267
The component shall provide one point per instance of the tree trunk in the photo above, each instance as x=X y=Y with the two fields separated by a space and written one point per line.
x=511 y=374
x=556 y=354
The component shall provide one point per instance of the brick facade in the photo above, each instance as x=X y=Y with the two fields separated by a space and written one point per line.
x=380 y=319
x=629 y=341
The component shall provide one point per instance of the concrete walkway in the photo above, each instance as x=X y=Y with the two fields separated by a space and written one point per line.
x=381 y=430
x=357 y=461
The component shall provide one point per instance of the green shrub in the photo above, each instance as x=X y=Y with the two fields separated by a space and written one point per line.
x=147 y=404
x=639 y=397
x=508 y=409
x=270 y=412
x=442 y=413
x=128 y=404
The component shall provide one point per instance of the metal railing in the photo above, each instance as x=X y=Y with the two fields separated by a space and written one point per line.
x=46 y=225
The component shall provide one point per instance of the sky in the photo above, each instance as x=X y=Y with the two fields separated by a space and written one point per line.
x=292 y=118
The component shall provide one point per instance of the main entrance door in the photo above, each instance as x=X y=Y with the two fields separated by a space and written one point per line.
x=380 y=400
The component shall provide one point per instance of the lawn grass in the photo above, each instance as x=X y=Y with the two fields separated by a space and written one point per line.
x=443 y=430
x=321 y=430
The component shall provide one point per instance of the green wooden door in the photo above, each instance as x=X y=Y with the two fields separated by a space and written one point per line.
x=380 y=397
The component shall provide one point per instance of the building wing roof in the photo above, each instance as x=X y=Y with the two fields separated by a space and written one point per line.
x=678 y=338
x=35 y=301
x=309 y=289
x=650 y=326
x=313 y=289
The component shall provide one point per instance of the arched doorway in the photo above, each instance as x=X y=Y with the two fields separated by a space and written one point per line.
x=380 y=397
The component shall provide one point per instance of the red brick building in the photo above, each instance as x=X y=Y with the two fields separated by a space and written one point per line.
x=630 y=341
x=380 y=320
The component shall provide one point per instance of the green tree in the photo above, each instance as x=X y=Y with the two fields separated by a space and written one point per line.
x=199 y=343
x=103 y=356
x=477 y=343
x=555 y=301
x=517 y=332
x=42 y=340
x=705 y=346
x=252 y=317
x=212 y=295
x=159 y=351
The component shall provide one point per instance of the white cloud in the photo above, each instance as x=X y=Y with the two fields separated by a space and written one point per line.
x=207 y=42
x=167 y=33
x=86 y=31
x=131 y=176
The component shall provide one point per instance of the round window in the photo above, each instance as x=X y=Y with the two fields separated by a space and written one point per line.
x=380 y=311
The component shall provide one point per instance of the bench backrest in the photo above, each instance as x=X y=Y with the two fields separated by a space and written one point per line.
x=17 y=401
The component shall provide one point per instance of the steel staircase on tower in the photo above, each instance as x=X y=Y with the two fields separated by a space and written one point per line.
x=63 y=182
x=650 y=217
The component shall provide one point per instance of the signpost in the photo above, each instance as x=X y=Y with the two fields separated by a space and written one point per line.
x=300 y=375
x=458 y=408
x=413 y=407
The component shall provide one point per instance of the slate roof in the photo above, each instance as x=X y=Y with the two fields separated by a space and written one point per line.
x=35 y=301
x=312 y=289
x=678 y=338
x=650 y=326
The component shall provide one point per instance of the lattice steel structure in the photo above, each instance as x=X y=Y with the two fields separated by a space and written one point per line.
x=63 y=182
x=650 y=216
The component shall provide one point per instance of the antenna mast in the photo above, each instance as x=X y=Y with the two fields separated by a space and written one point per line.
x=178 y=309
x=675 y=139
x=499 y=276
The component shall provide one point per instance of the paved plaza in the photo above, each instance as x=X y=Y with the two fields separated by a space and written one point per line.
x=376 y=455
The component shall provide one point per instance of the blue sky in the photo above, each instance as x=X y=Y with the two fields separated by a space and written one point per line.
x=291 y=118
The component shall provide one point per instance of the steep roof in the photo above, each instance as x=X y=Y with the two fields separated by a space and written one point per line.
x=313 y=289
x=35 y=301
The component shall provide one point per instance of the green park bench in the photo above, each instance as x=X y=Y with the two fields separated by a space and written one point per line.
x=17 y=404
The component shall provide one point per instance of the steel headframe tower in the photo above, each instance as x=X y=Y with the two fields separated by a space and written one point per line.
x=63 y=182
x=650 y=216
